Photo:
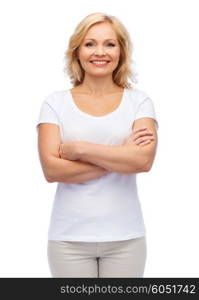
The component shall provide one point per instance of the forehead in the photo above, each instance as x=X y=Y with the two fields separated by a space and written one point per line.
x=101 y=31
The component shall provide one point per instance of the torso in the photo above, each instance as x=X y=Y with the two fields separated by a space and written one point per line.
x=99 y=106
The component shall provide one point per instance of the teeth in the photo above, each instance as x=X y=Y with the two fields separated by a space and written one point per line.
x=99 y=62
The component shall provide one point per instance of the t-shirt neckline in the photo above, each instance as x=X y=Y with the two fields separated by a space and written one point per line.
x=97 y=117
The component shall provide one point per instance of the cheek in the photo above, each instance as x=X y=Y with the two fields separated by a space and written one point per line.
x=85 y=53
x=115 y=54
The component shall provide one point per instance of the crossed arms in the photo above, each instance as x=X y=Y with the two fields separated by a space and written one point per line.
x=82 y=161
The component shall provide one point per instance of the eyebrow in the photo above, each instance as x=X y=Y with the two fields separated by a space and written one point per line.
x=105 y=40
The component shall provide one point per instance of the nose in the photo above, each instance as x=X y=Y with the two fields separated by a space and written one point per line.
x=99 y=51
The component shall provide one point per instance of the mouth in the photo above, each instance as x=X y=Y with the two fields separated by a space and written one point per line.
x=100 y=62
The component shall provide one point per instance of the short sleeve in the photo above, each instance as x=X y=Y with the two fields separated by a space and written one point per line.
x=47 y=114
x=146 y=109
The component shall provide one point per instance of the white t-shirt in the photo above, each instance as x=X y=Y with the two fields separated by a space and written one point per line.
x=107 y=208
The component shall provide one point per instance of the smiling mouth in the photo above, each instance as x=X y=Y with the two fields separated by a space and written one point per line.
x=100 y=62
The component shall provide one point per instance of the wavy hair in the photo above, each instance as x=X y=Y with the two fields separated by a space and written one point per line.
x=123 y=70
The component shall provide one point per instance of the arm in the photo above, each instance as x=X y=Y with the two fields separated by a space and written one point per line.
x=56 y=169
x=67 y=171
x=119 y=159
x=130 y=158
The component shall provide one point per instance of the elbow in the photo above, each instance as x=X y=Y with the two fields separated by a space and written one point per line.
x=48 y=168
x=146 y=169
x=140 y=168
x=48 y=176
x=147 y=166
x=49 y=180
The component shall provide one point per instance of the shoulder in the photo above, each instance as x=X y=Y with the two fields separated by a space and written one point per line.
x=56 y=99
x=54 y=96
x=137 y=96
x=137 y=93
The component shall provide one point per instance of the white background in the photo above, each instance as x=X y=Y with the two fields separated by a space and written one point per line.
x=34 y=37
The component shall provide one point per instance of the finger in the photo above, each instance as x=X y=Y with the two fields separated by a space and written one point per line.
x=145 y=143
x=142 y=140
x=140 y=129
x=142 y=134
x=59 y=150
x=145 y=138
x=143 y=131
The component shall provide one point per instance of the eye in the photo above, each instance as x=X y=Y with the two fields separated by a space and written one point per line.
x=88 y=44
x=111 y=44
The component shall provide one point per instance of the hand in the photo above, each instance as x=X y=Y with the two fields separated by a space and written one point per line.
x=68 y=151
x=139 y=137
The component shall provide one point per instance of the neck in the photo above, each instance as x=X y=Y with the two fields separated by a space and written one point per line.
x=98 y=86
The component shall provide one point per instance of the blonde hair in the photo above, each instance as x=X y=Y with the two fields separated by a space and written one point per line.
x=123 y=70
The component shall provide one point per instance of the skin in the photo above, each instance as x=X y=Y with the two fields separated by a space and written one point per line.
x=98 y=81
x=72 y=150
x=100 y=43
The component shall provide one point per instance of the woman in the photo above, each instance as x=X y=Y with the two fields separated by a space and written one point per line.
x=93 y=139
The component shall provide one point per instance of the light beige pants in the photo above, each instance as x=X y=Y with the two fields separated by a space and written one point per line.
x=103 y=259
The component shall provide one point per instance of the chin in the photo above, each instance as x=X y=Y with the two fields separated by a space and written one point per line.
x=99 y=72
x=100 y=75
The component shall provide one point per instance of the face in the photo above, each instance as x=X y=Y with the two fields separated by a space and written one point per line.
x=99 y=53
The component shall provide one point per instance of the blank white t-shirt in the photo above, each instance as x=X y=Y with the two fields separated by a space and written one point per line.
x=107 y=208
